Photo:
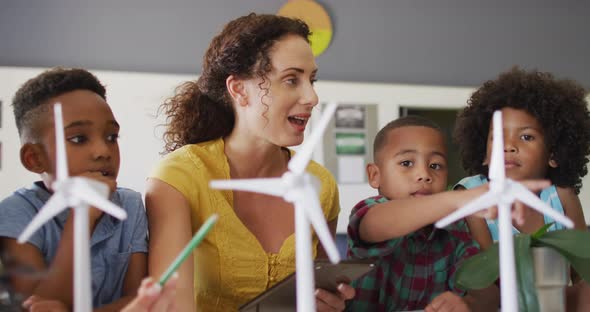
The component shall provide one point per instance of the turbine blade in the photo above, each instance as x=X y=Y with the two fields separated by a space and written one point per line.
x=55 y=205
x=497 y=170
x=313 y=211
x=316 y=183
x=485 y=201
x=271 y=186
x=528 y=198
x=90 y=196
x=299 y=162
x=61 y=156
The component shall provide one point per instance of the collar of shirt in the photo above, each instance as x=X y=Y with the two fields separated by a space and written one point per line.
x=106 y=225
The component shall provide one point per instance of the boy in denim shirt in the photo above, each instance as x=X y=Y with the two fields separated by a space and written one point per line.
x=118 y=248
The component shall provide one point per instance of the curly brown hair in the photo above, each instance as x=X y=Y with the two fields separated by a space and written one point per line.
x=202 y=110
x=559 y=106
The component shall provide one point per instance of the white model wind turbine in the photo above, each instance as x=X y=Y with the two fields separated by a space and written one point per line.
x=297 y=186
x=79 y=193
x=503 y=192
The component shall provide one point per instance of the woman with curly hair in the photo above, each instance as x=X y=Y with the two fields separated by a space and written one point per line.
x=253 y=99
x=546 y=127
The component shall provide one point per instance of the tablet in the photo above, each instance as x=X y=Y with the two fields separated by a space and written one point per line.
x=281 y=297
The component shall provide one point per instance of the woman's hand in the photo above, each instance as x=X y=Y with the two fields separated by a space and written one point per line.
x=519 y=210
x=37 y=303
x=328 y=301
x=152 y=298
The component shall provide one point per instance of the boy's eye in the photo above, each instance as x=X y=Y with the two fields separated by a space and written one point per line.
x=113 y=137
x=438 y=166
x=313 y=81
x=78 y=139
x=527 y=137
x=406 y=163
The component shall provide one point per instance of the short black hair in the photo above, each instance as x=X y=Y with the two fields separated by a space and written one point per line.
x=406 y=121
x=54 y=82
x=558 y=104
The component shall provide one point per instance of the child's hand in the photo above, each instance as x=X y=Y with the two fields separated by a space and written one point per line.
x=36 y=303
x=519 y=210
x=447 y=301
x=152 y=298
x=327 y=301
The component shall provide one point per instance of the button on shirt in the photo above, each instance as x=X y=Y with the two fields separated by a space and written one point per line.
x=410 y=270
x=111 y=244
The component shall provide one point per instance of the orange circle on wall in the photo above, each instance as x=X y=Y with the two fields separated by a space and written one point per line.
x=316 y=18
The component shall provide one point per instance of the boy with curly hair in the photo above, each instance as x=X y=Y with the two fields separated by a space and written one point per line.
x=118 y=248
x=546 y=127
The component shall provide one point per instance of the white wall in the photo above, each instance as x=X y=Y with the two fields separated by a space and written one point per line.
x=135 y=97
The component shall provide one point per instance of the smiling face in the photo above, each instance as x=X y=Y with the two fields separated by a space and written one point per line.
x=525 y=153
x=91 y=133
x=412 y=162
x=278 y=107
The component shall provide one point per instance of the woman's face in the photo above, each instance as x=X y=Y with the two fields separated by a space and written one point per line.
x=279 y=106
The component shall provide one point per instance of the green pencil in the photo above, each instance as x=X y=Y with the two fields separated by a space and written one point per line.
x=195 y=241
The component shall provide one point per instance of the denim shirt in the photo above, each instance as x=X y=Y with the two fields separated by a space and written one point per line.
x=111 y=244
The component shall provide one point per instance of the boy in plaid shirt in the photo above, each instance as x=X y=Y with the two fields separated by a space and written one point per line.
x=415 y=262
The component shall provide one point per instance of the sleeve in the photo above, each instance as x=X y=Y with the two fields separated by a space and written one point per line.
x=357 y=248
x=15 y=214
x=471 y=182
x=177 y=169
x=139 y=231
x=466 y=248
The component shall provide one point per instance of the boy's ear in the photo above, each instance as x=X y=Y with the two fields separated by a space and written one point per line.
x=33 y=157
x=373 y=175
x=552 y=162
x=485 y=161
x=236 y=90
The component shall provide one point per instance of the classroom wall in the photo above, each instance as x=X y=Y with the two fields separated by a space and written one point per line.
x=440 y=42
x=135 y=97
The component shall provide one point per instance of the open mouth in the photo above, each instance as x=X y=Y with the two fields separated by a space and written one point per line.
x=299 y=121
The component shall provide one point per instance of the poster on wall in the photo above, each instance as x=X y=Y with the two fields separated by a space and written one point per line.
x=348 y=142
x=350 y=116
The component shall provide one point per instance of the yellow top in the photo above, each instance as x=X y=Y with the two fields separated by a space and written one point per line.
x=231 y=267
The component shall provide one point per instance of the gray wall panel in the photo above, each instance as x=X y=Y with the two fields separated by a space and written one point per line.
x=462 y=42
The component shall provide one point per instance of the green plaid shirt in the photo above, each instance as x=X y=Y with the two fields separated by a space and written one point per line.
x=411 y=270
